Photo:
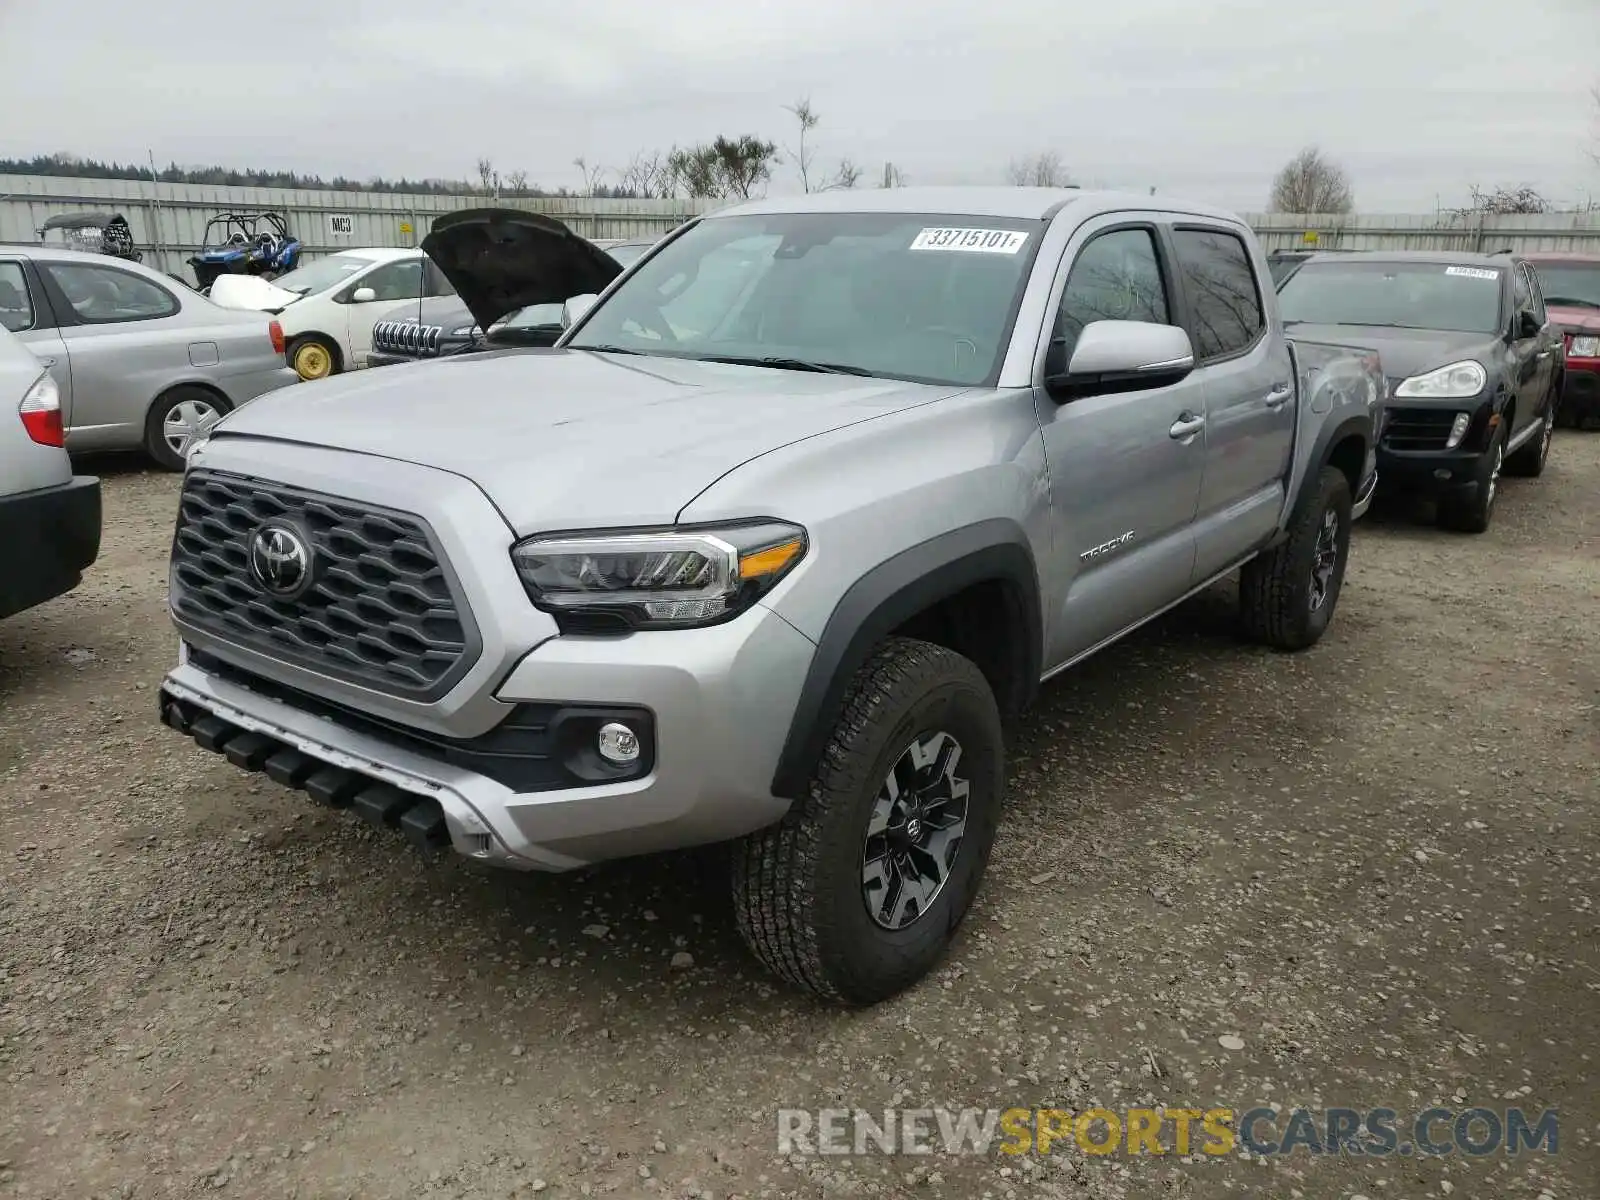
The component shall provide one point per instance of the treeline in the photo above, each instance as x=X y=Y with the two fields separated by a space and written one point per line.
x=71 y=166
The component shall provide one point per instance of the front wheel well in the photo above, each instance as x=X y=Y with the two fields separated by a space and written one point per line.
x=981 y=623
x=1349 y=458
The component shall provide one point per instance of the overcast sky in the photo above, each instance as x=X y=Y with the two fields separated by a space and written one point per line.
x=1418 y=99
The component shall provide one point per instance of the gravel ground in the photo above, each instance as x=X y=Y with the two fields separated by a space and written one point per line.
x=1374 y=864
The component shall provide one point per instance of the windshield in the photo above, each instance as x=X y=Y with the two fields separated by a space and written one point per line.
x=1571 y=285
x=627 y=252
x=1397 y=295
x=322 y=274
x=923 y=298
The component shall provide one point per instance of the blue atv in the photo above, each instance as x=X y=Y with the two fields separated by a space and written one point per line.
x=245 y=244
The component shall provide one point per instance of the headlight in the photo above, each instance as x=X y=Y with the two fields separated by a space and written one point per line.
x=656 y=580
x=1584 y=347
x=1457 y=381
x=465 y=331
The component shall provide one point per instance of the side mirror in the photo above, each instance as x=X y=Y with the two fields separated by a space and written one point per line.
x=1123 y=356
x=572 y=311
x=363 y=295
x=1527 y=325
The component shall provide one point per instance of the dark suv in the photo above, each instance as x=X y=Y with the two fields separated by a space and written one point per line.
x=1472 y=359
x=1571 y=287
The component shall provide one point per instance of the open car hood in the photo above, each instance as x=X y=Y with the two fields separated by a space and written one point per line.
x=250 y=291
x=500 y=260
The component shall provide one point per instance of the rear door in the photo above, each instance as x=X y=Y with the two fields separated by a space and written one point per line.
x=1550 y=348
x=1248 y=380
x=26 y=312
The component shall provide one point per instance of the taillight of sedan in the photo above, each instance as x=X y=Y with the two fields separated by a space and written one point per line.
x=275 y=332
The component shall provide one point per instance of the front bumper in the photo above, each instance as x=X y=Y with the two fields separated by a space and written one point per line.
x=47 y=539
x=1430 y=471
x=720 y=701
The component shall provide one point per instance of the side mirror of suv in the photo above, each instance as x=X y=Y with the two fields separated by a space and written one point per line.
x=1527 y=325
x=572 y=311
x=1123 y=356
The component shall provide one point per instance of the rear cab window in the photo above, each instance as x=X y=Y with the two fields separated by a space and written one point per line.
x=1219 y=282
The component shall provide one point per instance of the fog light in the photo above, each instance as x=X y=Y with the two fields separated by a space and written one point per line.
x=617 y=743
x=1441 y=474
x=1458 y=430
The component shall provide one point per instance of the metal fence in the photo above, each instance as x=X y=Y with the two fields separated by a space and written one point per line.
x=168 y=219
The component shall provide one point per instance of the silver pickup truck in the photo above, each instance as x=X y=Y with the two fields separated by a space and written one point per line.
x=802 y=504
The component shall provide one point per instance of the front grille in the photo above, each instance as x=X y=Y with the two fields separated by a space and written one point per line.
x=1417 y=428
x=381 y=610
x=407 y=338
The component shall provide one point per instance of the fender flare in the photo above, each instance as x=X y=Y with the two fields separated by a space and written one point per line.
x=1358 y=424
x=893 y=592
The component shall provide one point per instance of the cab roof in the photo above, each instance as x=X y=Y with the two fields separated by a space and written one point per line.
x=1015 y=203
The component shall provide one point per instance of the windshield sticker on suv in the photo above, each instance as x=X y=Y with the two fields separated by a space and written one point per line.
x=979 y=241
x=1473 y=272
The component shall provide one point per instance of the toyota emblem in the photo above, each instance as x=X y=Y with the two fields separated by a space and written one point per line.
x=280 y=560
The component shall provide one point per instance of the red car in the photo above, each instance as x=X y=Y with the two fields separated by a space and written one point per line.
x=1571 y=287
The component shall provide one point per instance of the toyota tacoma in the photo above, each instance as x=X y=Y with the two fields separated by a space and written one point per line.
x=763 y=551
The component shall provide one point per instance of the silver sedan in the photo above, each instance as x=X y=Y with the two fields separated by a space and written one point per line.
x=142 y=361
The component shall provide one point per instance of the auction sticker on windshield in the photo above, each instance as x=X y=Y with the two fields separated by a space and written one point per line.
x=1473 y=272
x=979 y=241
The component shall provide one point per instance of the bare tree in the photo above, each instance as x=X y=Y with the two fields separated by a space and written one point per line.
x=1594 y=151
x=1311 y=183
x=844 y=177
x=1044 y=169
x=808 y=120
x=486 y=177
x=517 y=182
x=648 y=175
x=591 y=176
x=893 y=177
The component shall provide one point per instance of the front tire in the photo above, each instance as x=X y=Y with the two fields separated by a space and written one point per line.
x=1287 y=595
x=180 y=417
x=856 y=893
x=1473 y=514
x=313 y=357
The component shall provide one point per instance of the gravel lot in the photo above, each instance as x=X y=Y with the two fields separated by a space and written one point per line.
x=1375 y=863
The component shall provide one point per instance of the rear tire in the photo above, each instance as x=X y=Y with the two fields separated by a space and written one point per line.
x=845 y=896
x=179 y=416
x=1528 y=462
x=1287 y=595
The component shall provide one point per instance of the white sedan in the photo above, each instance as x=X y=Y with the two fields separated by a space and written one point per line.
x=327 y=308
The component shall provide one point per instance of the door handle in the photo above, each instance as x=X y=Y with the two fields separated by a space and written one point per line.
x=1186 y=426
x=1278 y=396
x=49 y=362
x=1543 y=354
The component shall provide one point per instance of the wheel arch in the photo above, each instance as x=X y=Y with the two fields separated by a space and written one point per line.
x=976 y=587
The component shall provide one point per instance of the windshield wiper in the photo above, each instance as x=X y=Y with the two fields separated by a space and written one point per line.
x=600 y=349
x=789 y=364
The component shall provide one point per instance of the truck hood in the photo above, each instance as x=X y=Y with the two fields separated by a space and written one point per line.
x=1575 y=319
x=250 y=291
x=564 y=439
x=1407 y=352
x=501 y=259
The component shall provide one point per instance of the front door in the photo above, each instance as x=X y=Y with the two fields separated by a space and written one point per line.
x=392 y=283
x=1547 y=350
x=1125 y=469
x=1248 y=376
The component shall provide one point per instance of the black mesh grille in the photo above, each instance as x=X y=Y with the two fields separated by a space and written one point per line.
x=381 y=612
x=1417 y=428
